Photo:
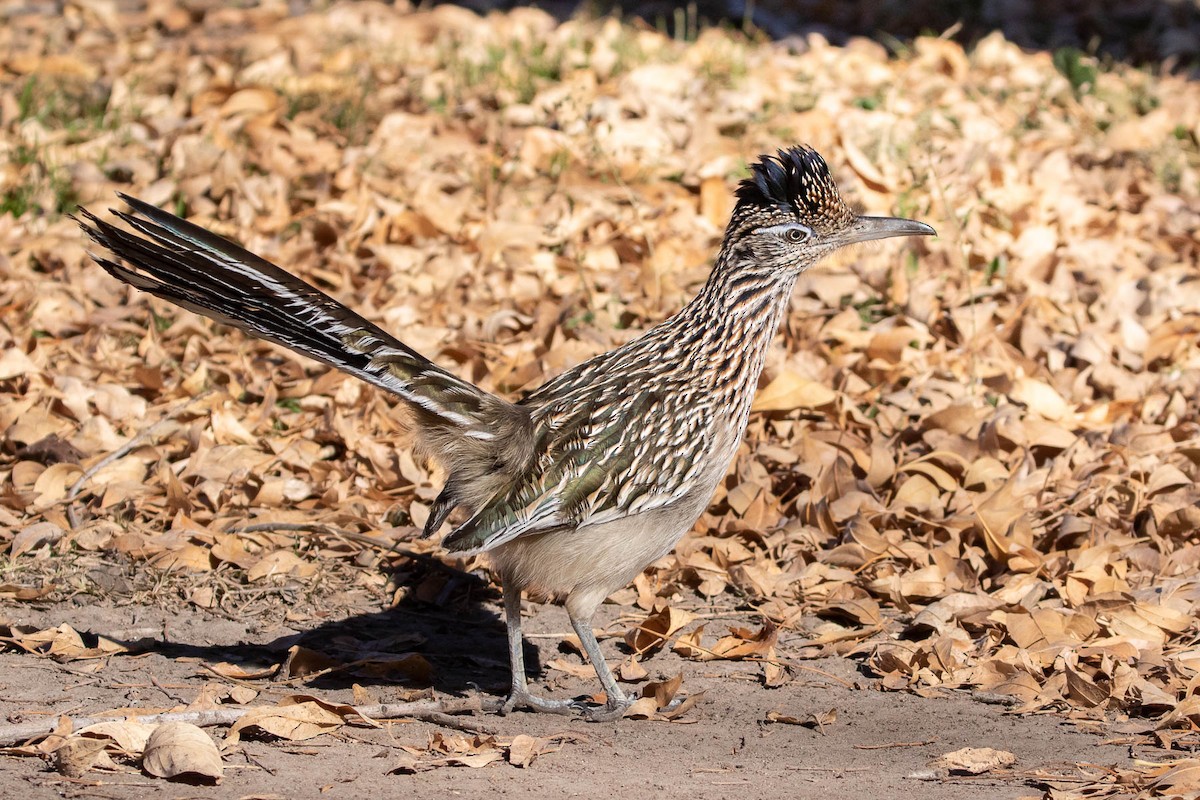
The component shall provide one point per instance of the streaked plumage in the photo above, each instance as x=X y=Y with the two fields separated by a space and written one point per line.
x=574 y=489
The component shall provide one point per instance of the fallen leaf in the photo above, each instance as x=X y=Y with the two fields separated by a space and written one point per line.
x=130 y=736
x=656 y=629
x=78 y=755
x=974 y=760
x=789 y=391
x=180 y=749
x=294 y=722
x=35 y=536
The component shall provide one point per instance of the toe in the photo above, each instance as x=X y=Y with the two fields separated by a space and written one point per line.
x=526 y=701
x=608 y=712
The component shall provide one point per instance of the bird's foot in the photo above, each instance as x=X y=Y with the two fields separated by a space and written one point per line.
x=613 y=709
x=521 y=698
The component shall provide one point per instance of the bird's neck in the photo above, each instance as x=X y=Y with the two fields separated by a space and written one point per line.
x=734 y=319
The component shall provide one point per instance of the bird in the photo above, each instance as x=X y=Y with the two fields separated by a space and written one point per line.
x=575 y=488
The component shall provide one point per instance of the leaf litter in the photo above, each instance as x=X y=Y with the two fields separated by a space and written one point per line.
x=972 y=462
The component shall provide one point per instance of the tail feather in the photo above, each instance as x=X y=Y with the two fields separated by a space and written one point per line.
x=200 y=271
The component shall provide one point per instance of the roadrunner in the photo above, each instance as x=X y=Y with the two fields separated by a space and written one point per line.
x=575 y=489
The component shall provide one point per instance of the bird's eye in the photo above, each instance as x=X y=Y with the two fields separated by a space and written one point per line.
x=790 y=232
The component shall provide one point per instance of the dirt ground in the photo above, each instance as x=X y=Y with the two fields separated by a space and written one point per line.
x=879 y=745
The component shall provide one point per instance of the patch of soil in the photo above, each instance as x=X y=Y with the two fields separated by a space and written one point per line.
x=879 y=744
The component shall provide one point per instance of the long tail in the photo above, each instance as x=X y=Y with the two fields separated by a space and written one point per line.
x=194 y=268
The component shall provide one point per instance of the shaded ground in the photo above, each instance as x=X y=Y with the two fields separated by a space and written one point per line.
x=879 y=745
x=1160 y=32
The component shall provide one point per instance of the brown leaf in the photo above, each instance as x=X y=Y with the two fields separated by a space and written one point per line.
x=522 y=750
x=942 y=615
x=180 y=749
x=1084 y=691
x=688 y=644
x=130 y=736
x=974 y=760
x=743 y=643
x=294 y=721
x=632 y=671
x=301 y=661
x=659 y=626
x=281 y=563
x=35 y=536
x=790 y=391
x=9 y=591
x=412 y=667
x=240 y=673
x=63 y=643
x=14 y=363
x=1040 y=398
x=1179 y=779
x=78 y=755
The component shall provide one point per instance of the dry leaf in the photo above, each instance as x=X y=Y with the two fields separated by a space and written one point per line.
x=180 y=749
x=63 y=643
x=789 y=391
x=974 y=760
x=14 y=362
x=35 y=536
x=303 y=661
x=744 y=643
x=240 y=673
x=294 y=722
x=130 y=736
x=656 y=629
x=78 y=755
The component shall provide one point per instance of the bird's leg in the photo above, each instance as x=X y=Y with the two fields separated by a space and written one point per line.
x=618 y=701
x=519 y=696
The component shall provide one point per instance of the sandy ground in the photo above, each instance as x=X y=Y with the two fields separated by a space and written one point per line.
x=879 y=746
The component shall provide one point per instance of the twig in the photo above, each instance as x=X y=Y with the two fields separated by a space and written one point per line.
x=323 y=529
x=995 y=698
x=122 y=451
x=890 y=745
x=444 y=720
x=563 y=635
x=246 y=755
x=829 y=675
x=434 y=711
x=847 y=635
x=172 y=695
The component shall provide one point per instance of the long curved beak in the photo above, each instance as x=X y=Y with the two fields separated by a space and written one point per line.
x=868 y=229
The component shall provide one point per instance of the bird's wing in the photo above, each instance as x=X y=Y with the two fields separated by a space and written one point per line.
x=599 y=462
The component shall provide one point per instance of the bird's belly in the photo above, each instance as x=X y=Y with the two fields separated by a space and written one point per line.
x=589 y=563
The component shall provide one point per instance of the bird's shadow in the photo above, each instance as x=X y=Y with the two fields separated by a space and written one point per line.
x=456 y=645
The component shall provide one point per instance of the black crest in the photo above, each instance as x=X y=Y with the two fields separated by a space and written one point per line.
x=794 y=181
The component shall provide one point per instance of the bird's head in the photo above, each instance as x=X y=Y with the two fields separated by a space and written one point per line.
x=789 y=215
